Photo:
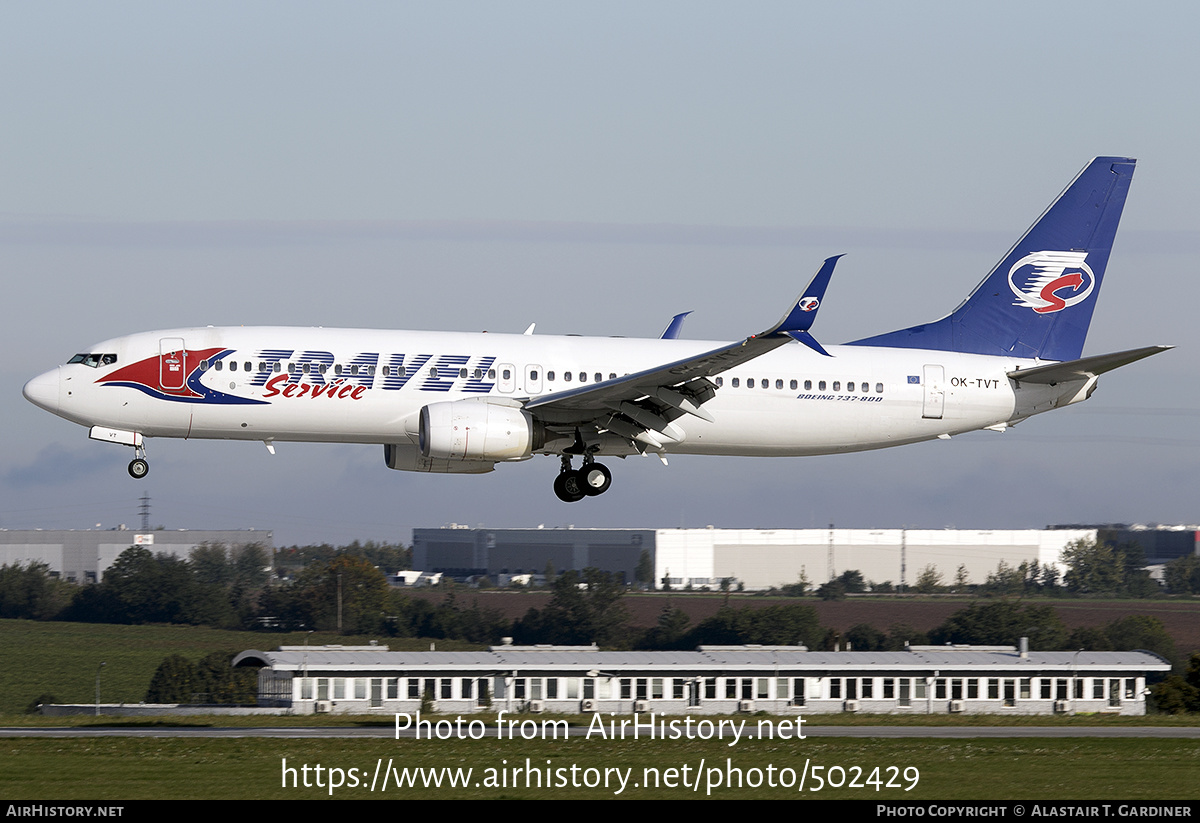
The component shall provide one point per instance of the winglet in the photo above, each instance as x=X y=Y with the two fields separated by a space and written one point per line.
x=802 y=315
x=671 y=332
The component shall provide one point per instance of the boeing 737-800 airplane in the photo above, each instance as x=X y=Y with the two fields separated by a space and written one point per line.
x=463 y=402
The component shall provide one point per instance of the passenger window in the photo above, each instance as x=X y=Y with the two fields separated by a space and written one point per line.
x=849 y=387
x=305 y=368
x=808 y=385
x=433 y=372
x=720 y=382
x=821 y=385
x=478 y=373
x=337 y=369
x=837 y=385
x=462 y=373
x=354 y=369
x=533 y=375
x=567 y=376
x=507 y=374
x=233 y=365
x=599 y=377
x=879 y=388
x=793 y=385
x=749 y=382
x=865 y=387
x=734 y=382
x=491 y=374
x=220 y=364
x=779 y=384
x=371 y=369
x=247 y=366
x=583 y=377
x=550 y=376
x=321 y=368
x=278 y=367
x=203 y=365
x=612 y=375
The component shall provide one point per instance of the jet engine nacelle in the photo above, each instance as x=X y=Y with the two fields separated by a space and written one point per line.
x=477 y=430
x=408 y=458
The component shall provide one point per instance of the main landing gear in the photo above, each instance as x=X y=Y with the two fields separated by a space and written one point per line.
x=591 y=479
x=138 y=467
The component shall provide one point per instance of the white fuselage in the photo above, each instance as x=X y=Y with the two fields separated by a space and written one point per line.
x=369 y=386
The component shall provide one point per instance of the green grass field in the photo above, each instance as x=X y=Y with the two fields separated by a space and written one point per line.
x=61 y=658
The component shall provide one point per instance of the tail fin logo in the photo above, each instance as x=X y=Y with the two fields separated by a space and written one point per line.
x=1050 y=281
x=809 y=304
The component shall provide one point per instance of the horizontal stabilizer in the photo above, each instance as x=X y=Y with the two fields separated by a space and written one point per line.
x=1082 y=369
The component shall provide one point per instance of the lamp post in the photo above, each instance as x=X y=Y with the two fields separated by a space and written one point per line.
x=98 y=669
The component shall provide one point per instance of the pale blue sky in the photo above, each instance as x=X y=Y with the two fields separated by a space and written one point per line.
x=595 y=168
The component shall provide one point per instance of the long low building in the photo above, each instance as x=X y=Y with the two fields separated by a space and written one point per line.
x=82 y=555
x=710 y=680
x=757 y=559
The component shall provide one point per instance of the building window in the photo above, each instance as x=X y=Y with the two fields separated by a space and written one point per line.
x=798 y=691
x=835 y=688
x=868 y=688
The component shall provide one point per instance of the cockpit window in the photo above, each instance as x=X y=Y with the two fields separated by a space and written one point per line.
x=93 y=360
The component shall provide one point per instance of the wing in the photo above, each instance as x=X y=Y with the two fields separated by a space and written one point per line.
x=642 y=406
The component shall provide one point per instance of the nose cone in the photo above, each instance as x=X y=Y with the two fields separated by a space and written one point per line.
x=43 y=391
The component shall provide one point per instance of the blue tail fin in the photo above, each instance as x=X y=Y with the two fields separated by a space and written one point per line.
x=1038 y=301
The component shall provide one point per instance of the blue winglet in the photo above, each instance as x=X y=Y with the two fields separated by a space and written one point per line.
x=802 y=315
x=671 y=332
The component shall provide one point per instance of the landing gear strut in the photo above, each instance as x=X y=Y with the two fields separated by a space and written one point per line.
x=572 y=485
x=138 y=467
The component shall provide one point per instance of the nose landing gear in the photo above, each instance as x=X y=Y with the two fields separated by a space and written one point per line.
x=138 y=467
x=590 y=480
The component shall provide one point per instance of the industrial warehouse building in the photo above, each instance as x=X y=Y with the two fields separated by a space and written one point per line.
x=81 y=556
x=763 y=558
x=710 y=680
